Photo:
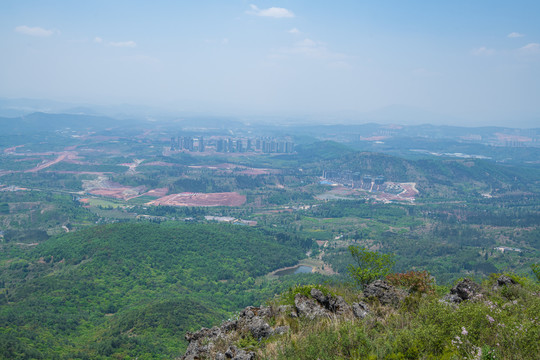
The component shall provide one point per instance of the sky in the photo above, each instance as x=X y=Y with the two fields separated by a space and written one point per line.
x=474 y=62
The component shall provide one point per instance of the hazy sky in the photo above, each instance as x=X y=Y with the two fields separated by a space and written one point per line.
x=474 y=61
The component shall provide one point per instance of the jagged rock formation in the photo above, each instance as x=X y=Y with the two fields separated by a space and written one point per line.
x=242 y=338
x=254 y=322
x=218 y=342
x=502 y=281
x=464 y=290
x=386 y=293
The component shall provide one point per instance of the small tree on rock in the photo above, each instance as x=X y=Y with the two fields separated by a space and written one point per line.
x=370 y=265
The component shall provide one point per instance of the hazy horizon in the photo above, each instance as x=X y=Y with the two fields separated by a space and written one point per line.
x=459 y=63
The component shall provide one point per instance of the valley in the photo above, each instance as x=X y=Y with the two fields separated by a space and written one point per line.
x=113 y=244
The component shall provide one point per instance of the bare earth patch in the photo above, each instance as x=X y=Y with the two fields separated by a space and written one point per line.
x=199 y=199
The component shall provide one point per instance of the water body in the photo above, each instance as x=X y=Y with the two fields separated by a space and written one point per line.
x=300 y=269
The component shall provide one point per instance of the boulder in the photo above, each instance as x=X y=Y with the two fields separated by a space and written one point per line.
x=238 y=354
x=251 y=320
x=505 y=280
x=256 y=326
x=321 y=305
x=334 y=304
x=386 y=293
x=360 y=310
x=466 y=289
x=280 y=330
x=309 y=308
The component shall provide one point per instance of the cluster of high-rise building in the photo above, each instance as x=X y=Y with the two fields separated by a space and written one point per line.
x=233 y=145
x=188 y=143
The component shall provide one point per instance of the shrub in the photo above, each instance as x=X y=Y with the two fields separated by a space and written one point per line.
x=536 y=270
x=370 y=265
x=416 y=281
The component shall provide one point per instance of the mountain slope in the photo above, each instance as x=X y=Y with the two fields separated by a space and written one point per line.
x=132 y=289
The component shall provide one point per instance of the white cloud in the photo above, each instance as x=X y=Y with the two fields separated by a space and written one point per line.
x=531 y=48
x=98 y=40
x=294 y=31
x=224 y=41
x=274 y=12
x=307 y=43
x=313 y=49
x=515 y=35
x=483 y=51
x=126 y=44
x=33 y=31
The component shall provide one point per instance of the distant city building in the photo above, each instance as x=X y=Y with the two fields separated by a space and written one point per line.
x=232 y=145
x=201 y=144
x=188 y=143
x=221 y=145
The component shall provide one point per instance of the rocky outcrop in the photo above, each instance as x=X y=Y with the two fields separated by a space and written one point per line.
x=236 y=354
x=504 y=281
x=218 y=342
x=320 y=305
x=386 y=293
x=309 y=308
x=464 y=290
x=360 y=310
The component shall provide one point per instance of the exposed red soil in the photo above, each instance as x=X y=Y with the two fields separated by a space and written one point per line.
x=254 y=171
x=199 y=199
x=120 y=192
x=48 y=163
x=160 y=192
x=410 y=191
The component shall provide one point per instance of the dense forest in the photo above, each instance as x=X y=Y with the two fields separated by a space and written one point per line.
x=133 y=289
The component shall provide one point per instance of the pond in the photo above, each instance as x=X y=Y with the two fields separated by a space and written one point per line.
x=300 y=269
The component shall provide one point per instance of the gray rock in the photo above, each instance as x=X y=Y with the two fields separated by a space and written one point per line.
x=338 y=306
x=386 y=293
x=238 y=354
x=253 y=320
x=319 y=296
x=505 y=280
x=464 y=290
x=360 y=310
x=265 y=311
x=309 y=308
x=334 y=304
x=280 y=330
x=258 y=328
x=452 y=298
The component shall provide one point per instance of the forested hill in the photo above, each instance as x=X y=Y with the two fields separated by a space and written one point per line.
x=437 y=177
x=133 y=289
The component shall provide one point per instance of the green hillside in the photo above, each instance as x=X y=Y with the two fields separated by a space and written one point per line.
x=132 y=289
x=437 y=178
